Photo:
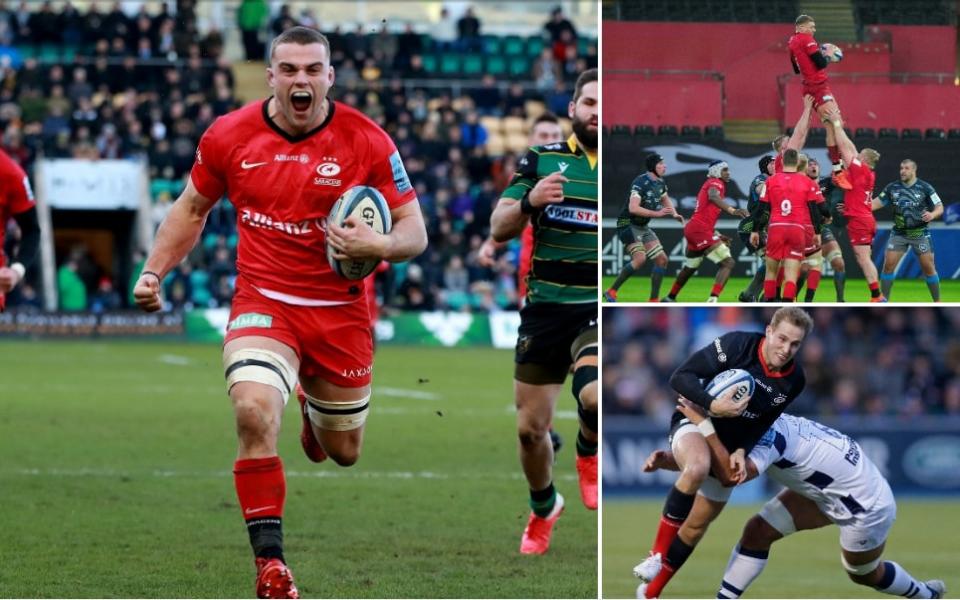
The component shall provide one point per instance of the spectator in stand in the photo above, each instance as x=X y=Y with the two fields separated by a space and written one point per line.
x=444 y=33
x=408 y=44
x=106 y=298
x=472 y=133
x=70 y=287
x=468 y=31
x=487 y=98
x=546 y=71
x=558 y=25
x=252 y=18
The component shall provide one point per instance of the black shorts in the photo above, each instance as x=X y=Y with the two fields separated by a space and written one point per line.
x=826 y=235
x=549 y=335
x=745 y=238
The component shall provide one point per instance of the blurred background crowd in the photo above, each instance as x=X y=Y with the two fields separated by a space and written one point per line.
x=899 y=362
x=143 y=80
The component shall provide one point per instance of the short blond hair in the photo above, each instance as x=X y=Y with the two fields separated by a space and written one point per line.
x=804 y=19
x=776 y=141
x=871 y=156
x=795 y=316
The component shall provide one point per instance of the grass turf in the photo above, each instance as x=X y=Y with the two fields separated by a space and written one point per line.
x=803 y=565
x=637 y=289
x=116 y=482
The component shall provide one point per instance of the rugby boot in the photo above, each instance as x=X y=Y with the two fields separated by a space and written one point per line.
x=274 y=579
x=536 y=537
x=610 y=295
x=937 y=587
x=587 y=475
x=647 y=570
x=311 y=447
x=841 y=180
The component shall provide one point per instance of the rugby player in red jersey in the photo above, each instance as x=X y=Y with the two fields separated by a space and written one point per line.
x=16 y=201
x=785 y=198
x=701 y=235
x=808 y=60
x=858 y=202
x=797 y=140
x=283 y=162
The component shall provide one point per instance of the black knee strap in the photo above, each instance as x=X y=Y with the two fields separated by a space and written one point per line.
x=581 y=378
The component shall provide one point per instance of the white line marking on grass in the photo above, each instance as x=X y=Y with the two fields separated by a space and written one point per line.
x=321 y=473
x=564 y=415
x=174 y=359
x=402 y=393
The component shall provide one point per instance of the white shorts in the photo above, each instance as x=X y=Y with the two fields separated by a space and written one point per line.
x=711 y=488
x=868 y=530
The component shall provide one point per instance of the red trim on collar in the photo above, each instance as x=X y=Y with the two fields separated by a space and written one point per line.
x=763 y=363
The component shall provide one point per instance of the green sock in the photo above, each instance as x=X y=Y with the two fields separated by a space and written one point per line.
x=584 y=446
x=542 y=501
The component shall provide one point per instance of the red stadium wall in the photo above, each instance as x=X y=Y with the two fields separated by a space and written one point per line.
x=628 y=100
x=752 y=58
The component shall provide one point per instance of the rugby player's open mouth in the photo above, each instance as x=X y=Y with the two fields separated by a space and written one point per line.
x=301 y=101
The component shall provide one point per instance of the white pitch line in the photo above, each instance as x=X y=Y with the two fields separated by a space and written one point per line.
x=321 y=473
x=174 y=359
x=404 y=393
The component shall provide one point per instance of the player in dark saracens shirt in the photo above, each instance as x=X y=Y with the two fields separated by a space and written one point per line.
x=915 y=204
x=697 y=498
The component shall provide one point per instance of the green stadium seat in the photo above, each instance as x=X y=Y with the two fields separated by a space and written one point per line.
x=513 y=45
x=450 y=64
x=430 y=63
x=518 y=67
x=535 y=45
x=496 y=65
x=492 y=44
x=472 y=64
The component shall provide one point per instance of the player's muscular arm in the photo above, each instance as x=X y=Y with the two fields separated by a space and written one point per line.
x=798 y=139
x=936 y=213
x=728 y=470
x=670 y=209
x=848 y=152
x=713 y=195
x=355 y=239
x=508 y=219
x=408 y=237
x=177 y=235
x=635 y=209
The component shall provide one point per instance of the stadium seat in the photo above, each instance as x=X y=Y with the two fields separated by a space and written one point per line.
x=513 y=45
x=713 y=132
x=691 y=132
x=495 y=145
x=667 y=131
x=953 y=134
x=430 y=63
x=817 y=134
x=492 y=44
x=491 y=124
x=621 y=130
x=888 y=133
x=935 y=133
x=534 y=108
x=496 y=65
x=534 y=45
x=516 y=142
x=644 y=131
x=450 y=64
x=911 y=134
x=518 y=67
x=514 y=125
x=865 y=133
x=472 y=65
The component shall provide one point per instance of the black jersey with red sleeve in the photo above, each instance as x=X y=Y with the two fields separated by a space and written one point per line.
x=774 y=390
x=284 y=186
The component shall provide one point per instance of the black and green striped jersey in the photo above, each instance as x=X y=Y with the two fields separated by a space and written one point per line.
x=564 y=266
x=748 y=224
x=909 y=204
x=651 y=191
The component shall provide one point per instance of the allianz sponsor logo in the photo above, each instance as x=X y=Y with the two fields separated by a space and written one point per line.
x=262 y=221
x=357 y=372
x=300 y=158
x=572 y=214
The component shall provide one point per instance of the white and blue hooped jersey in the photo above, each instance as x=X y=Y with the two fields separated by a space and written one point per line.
x=821 y=464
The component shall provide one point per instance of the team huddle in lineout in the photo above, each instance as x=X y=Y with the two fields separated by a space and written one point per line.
x=827 y=478
x=793 y=216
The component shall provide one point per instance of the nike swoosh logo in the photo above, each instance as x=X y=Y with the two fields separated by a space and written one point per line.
x=246 y=165
x=251 y=511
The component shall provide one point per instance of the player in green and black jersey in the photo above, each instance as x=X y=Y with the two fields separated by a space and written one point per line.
x=648 y=200
x=915 y=204
x=829 y=244
x=555 y=188
x=749 y=224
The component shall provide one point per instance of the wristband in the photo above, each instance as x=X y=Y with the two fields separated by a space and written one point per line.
x=706 y=427
x=20 y=269
x=525 y=206
x=152 y=273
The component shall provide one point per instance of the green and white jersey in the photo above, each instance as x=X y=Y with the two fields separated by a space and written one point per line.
x=909 y=204
x=651 y=191
x=564 y=265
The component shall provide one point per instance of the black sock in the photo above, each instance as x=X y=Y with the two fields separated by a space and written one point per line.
x=625 y=274
x=810 y=295
x=266 y=537
x=584 y=446
x=677 y=553
x=839 y=279
x=542 y=501
x=677 y=506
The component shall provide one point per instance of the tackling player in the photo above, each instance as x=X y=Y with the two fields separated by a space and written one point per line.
x=858 y=202
x=283 y=162
x=829 y=480
x=785 y=200
x=701 y=235
x=749 y=224
x=697 y=497
x=648 y=199
x=555 y=188
x=915 y=204
x=16 y=202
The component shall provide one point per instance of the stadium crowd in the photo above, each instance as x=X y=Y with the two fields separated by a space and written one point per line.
x=107 y=85
x=889 y=362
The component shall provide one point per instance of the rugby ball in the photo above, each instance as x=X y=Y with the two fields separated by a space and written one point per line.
x=732 y=378
x=371 y=207
x=832 y=52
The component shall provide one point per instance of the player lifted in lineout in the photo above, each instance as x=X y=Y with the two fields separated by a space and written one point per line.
x=915 y=205
x=283 y=162
x=858 y=204
x=828 y=480
x=701 y=235
x=648 y=199
x=697 y=497
x=555 y=188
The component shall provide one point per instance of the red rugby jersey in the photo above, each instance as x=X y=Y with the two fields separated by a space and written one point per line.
x=788 y=195
x=857 y=202
x=283 y=188
x=801 y=45
x=706 y=214
x=16 y=196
